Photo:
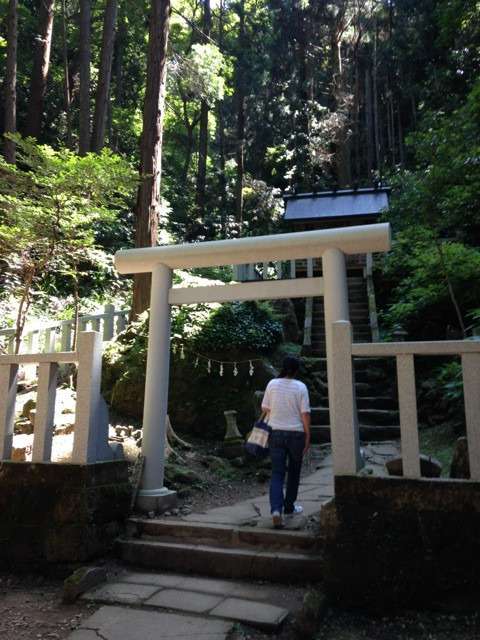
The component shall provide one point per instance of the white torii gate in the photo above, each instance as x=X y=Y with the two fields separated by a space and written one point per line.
x=331 y=245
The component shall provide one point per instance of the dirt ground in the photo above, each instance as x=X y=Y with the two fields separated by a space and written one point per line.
x=31 y=609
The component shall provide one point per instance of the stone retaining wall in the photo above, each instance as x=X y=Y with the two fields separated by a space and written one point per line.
x=393 y=542
x=60 y=513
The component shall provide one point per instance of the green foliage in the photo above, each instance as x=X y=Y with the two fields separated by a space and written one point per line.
x=418 y=292
x=441 y=396
x=243 y=326
x=51 y=206
x=435 y=261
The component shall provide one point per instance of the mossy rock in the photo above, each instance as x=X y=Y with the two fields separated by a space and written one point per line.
x=176 y=474
x=128 y=394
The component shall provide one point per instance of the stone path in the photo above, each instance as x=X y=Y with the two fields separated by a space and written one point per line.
x=118 y=623
x=249 y=603
x=207 y=607
x=314 y=491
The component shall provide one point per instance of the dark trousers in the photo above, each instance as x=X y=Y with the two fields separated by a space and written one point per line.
x=286 y=447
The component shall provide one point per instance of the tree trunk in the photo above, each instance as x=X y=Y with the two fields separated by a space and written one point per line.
x=66 y=77
x=203 y=133
x=41 y=65
x=84 y=61
x=104 y=76
x=121 y=40
x=392 y=132
x=302 y=178
x=188 y=150
x=342 y=143
x=10 y=122
x=222 y=176
x=451 y=291
x=369 y=133
x=356 y=117
x=376 y=115
x=148 y=199
x=240 y=103
x=401 y=150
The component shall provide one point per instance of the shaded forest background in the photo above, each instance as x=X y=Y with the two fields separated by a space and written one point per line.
x=257 y=98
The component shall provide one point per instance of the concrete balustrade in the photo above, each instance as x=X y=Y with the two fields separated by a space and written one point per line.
x=344 y=430
x=90 y=442
x=58 y=336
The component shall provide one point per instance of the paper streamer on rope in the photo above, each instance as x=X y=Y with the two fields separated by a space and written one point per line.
x=180 y=349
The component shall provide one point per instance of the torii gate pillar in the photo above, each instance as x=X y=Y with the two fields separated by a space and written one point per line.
x=153 y=496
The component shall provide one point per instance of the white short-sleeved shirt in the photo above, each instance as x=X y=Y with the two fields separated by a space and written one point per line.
x=286 y=399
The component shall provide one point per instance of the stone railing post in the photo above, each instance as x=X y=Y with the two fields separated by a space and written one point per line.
x=66 y=338
x=8 y=394
x=108 y=322
x=122 y=321
x=91 y=422
x=46 y=392
x=343 y=412
x=471 y=389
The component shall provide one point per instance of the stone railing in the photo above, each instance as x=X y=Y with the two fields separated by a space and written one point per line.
x=372 y=303
x=344 y=421
x=58 y=336
x=90 y=443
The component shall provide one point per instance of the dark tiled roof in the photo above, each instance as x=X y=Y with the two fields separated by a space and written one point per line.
x=336 y=204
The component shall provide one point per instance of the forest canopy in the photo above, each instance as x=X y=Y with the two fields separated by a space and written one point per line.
x=258 y=98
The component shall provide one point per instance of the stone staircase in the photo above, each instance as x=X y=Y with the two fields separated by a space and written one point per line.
x=221 y=551
x=359 y=316
x=377 y=404
x=375 y=382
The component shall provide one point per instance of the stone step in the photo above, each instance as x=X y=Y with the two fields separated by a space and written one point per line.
x=173 y=530
x=372 y=375
x=215 y=561
x=374 y=417
x=366 y=417
x=377 y=402
x=368 y=433
x=360 y=364
x=320 y=415
x=365 y=389
x=357 y=321
x=360 y=329
x=319 y=401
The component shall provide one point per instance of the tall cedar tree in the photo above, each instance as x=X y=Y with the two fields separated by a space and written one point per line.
x=66 y=77
x=148 y=199
x=104 y=77
x=203 y=134
x=240 y=104
x=10 y=122
x=41 y=65
x=85 y=56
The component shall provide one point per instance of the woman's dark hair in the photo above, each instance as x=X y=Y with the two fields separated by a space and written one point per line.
x=290 y=367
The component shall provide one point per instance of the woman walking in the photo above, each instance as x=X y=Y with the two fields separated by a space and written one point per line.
x=287 y=406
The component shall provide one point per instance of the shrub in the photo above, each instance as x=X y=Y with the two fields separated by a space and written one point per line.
x=243 y=326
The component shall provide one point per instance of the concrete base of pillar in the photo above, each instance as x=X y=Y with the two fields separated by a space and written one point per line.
x=158 y=500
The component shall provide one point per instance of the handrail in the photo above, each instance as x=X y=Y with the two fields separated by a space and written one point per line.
x=372 y=303
x=434 y=348
x=343 y=410
x=113 y=320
